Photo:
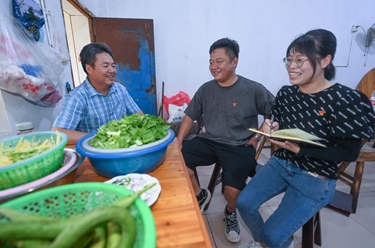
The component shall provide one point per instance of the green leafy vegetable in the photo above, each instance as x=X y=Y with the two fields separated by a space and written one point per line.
x=130 y=131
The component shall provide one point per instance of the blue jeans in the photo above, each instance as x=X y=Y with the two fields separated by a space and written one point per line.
x=304 y=196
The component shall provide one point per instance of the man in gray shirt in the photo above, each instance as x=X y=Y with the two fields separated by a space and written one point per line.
x=229 y=105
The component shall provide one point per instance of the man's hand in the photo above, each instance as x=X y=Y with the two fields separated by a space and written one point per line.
x=179 y=142
x=73 y=135
x=253 y=142
x=185 y=127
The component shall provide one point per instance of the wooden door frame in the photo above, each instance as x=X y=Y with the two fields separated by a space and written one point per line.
x=86 y=13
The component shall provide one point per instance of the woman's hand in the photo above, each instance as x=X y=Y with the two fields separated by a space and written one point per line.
x=270 y=127
x=291 y=146
x=267 y=126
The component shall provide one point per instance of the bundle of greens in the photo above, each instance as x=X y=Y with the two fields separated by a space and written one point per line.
x=130 y=131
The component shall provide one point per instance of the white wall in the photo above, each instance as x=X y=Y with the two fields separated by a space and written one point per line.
x=185 y=29
x=20 y=110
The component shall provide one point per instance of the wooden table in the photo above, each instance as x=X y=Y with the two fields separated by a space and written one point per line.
x=178 y=220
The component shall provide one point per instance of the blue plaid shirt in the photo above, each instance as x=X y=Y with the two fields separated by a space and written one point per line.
x=85 y=109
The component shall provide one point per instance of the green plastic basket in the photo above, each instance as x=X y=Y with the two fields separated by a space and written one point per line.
x=68 y=200
x=33 y=168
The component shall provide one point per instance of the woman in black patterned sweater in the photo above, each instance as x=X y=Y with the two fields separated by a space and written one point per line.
x=306 y=174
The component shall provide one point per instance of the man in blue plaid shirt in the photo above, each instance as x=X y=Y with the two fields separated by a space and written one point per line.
x=98 y=99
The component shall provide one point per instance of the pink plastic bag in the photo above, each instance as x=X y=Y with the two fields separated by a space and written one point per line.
x=175 y=106
x=179 y=100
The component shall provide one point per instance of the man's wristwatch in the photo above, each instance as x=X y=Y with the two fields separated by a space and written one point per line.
x=259 y=138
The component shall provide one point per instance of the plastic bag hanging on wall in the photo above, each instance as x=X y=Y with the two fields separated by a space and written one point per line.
x=57 y=42
x=27 y=68
x=30 y=15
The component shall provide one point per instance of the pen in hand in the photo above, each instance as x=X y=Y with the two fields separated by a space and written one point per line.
x=271 y=123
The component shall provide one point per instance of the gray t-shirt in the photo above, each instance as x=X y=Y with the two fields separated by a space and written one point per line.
x=229 y=111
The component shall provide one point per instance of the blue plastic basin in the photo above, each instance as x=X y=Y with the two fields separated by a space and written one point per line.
x=110 y=163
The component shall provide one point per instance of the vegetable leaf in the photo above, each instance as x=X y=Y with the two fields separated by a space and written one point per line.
x=130 y=131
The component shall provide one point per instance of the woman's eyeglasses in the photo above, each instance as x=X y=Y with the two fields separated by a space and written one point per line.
x=298 y=62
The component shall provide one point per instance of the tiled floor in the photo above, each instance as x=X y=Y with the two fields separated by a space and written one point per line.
x=338 y=231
